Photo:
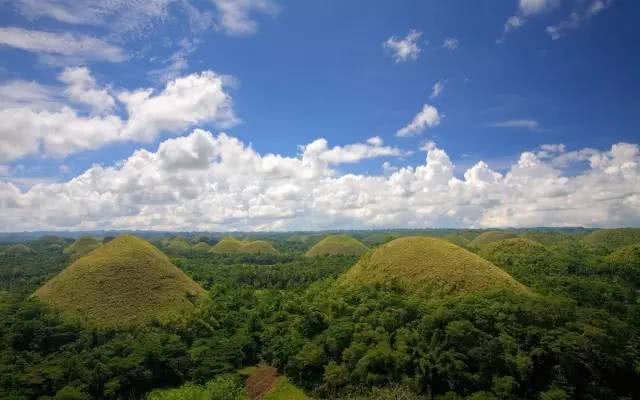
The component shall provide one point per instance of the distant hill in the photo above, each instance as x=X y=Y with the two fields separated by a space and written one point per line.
x=82 y=246
x=337 y=245
x=178 y=245
x=428 y=266
x=521 y=256
x=201 y=247
x=608 y=240
x=489 y=237
x=625 y=262
x=17 y=250
x=126 y=282
x=231 y=245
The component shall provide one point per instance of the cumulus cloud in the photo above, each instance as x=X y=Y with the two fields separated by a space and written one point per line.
x=82 y=88
x=77 y=46
x=26 y=127
x=428 y=117
x=215 y=182
x=405 y=49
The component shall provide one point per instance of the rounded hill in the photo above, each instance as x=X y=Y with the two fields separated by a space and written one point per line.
x=231 y=245
x=82 y=246
x=426 y=266
x=521 y=256
x=485 y=238
x=127 y=282
x=18 y=250
x=178 y=245
x=608 y=240
x=334 y=245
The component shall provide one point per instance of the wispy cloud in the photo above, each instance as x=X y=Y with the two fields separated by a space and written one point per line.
x=578 y=16
x=437 y=89
x=235 y=17
x=405 y=49
x=61 y=44
x=530 y=124
x=451 y=43
x=428 y=117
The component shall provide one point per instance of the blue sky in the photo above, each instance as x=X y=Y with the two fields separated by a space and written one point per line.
x=514 y=75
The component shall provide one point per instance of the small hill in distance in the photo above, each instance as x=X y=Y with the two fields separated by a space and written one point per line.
x=485 y=238
x=127 y=282
x=178 y=245
x=428 y=266
x=17 y=250
x=521 y=257
x=231 y=245
x=83 y=245
x=201 y=247
x=333 y=245
x=608 y=240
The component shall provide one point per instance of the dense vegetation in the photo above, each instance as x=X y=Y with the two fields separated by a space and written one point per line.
x=575 y=333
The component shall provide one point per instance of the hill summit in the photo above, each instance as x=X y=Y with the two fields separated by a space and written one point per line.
x=126 y=282
x=427 y=266
x=231 y=245
x=337 y=245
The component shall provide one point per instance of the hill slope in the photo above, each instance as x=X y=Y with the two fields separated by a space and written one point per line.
x=82 y=246
x=337 y=245
x=126 y=282
x=608 y=240
x=428 y=266
x=521 y=257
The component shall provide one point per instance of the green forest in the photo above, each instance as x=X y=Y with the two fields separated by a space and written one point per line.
x=548 y=314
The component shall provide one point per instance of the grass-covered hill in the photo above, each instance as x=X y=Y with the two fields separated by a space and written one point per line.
x=521 y=257
x=17 y=250
x=334 y=245
x=201 y=247
x=489 y=237
x=427 y=265
x=625 y=262
x=231 y=245
x=82 y=246
x=126 y=282
x=178 y=245
x=608 y=240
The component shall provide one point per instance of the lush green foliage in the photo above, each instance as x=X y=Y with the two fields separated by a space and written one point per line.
x=575 y=334
x=489 y=237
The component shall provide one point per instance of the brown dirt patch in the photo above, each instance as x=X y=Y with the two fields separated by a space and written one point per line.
x=261 y=381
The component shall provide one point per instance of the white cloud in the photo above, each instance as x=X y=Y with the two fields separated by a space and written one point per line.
x=120 y=16
x=234 y=16
x=517 y=123
x=581 y=14
x=215 y=182
x=406 y=49
x=177 y=63
x=513 y=22
x=82 y=88
x=534 y=7
x=451 y=43
x=27 y=128
x=20 y=93
x=437 y=89
x=428 y=117
x=81 y=47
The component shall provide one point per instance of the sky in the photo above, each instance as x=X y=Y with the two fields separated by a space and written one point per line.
x=226 y=115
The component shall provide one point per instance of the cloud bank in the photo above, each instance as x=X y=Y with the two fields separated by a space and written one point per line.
x=215 y=182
